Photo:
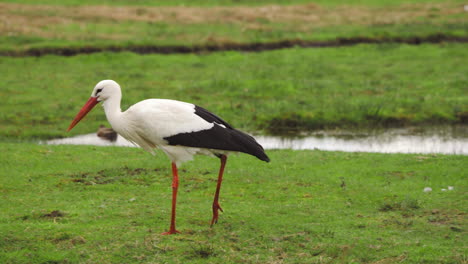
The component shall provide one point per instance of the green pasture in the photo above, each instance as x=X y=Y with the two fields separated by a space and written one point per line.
x=73 y=24
x=85 y=204
x=276 y=91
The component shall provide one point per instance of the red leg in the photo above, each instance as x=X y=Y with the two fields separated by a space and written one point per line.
x=216 y=205
x=175 y=185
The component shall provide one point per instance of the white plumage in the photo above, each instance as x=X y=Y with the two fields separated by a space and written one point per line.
x=179 y=129
x=152 y=120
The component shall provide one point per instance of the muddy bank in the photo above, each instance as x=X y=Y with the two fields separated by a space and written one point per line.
x=232 y=46
x=291 y=123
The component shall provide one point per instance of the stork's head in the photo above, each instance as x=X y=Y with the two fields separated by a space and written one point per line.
x=101 y=92
x=105 y=89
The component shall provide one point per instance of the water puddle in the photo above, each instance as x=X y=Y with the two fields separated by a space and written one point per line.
x=446 y=140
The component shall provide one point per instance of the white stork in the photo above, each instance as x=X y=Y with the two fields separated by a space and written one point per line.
x=179 y=129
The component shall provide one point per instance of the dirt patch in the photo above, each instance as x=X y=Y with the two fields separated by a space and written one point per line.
x=462 y=117
x=445 y=217
x=121 y=175
x=203 y=251
x=54 y=214
x=406 y=205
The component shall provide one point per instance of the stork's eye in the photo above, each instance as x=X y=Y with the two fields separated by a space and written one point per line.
x=98 y=91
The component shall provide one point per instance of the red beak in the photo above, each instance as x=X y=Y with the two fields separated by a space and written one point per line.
x=86 y=108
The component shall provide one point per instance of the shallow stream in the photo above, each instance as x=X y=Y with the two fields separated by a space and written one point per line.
x=443 y=140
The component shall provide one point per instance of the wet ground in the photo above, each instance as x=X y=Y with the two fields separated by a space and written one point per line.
x=389 y=141
x=443 y=140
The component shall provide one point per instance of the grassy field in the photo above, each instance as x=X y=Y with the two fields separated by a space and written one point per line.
x=277 y=91
x=85 y=204
x=31 y=26
x=69 y=204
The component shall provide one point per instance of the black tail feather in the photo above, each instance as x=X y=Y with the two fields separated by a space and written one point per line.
x=249 y=145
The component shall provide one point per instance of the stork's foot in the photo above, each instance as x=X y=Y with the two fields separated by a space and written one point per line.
x=170 y=232
x=216 y=208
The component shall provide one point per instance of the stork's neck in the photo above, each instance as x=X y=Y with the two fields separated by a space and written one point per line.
x=112 y=109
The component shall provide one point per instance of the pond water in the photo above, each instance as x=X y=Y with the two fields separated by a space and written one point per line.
x=443 y=140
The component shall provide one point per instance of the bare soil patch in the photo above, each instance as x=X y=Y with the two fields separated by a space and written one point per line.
x=121 y=175
x=54 y=214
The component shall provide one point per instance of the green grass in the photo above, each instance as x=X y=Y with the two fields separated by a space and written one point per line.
x=37 y=28
x=85 y=204
x=292 y=89
x=162 y=34
x=303 y=207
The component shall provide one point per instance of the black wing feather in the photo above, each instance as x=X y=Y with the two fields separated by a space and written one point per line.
x=218 y=137
x=210 y=117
